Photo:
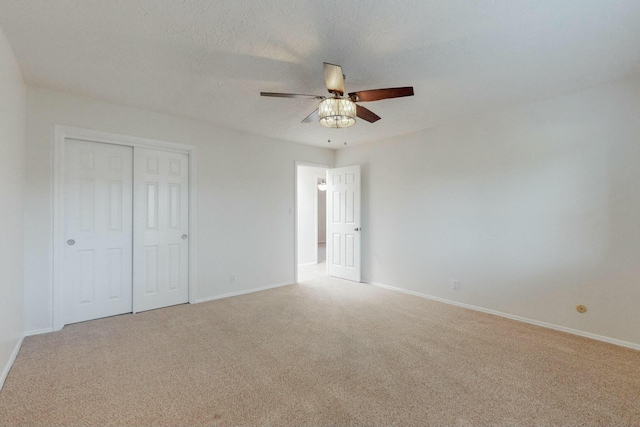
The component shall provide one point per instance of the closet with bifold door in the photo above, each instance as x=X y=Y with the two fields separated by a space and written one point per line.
x=126 y=224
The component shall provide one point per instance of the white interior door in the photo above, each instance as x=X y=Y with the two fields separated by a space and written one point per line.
x=161 y=277
x=343 y=222
x=96 y=275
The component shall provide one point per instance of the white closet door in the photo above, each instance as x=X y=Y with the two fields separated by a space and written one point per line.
x=161 y=222
x=343 y=222
x=97 y=271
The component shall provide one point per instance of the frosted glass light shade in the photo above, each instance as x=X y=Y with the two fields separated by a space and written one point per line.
x=337 y=113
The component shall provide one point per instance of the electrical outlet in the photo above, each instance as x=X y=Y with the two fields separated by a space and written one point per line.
x=233 y=278
x=455 y=285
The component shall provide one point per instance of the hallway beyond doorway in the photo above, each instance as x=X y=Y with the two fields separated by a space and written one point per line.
x=314 y=271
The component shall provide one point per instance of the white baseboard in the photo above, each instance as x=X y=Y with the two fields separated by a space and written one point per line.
x=306 y=264
x=514 y=317
x=38 y=332
x=7 y=368
x=247 y=291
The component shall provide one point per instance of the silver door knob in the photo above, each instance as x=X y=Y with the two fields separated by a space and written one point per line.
x=356 y=229
x=71 y=242
x=184 y=237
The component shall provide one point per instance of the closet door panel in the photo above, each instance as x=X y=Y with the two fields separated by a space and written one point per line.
x=161 y=222
x=97 y=267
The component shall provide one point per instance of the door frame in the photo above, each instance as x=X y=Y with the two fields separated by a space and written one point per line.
x=295 y=212
x=60 y=134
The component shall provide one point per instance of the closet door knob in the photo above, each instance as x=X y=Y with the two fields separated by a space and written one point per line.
x=71 y=242
x=184 y=237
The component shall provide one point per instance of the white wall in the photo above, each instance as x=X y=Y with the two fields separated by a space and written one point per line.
x=534 y=210
x=245 y=194
x=12 y=155
x=322 y=216
x=308 y=214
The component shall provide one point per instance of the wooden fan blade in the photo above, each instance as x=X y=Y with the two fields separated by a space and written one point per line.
x=333 y=78
x=378 y=94
x=290 y=95
x=313 y=117
x=366 y=114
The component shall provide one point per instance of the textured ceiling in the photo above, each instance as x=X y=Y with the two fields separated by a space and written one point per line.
x=208 y=60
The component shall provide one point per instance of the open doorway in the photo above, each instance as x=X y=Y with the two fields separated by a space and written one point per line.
x=310 y=221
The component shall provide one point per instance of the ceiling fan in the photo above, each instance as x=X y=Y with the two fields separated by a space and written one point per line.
x=339 y=111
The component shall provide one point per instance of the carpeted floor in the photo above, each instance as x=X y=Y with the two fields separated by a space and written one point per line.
x=323 y=353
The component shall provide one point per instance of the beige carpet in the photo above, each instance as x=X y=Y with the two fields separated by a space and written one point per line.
x=322 y=353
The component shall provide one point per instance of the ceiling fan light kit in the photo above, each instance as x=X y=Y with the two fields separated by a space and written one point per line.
x=339 y=112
